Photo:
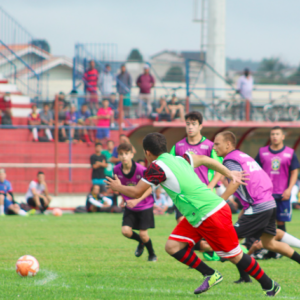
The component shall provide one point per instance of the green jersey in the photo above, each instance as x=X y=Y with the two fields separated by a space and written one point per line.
x=110 y=166
x=191 y=196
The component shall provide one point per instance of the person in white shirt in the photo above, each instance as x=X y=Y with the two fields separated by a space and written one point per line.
x=161 y=205
x=37 y=194
x=106 y=81
x=244 y=88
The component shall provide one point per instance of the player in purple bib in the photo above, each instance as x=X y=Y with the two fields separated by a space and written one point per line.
x=141 y=216
x=281 y=164
x=258 y=217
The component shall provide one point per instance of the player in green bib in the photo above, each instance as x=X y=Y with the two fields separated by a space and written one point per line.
x=206 y=214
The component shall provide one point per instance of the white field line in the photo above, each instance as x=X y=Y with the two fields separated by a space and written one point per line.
x=50 y=276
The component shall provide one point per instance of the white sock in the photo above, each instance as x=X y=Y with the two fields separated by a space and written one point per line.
x=290 y=240
x=35 y=134
x=22 y=212
x=48 y=134
x=1 y=209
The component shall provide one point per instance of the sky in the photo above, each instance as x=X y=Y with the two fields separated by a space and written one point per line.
x=255 y=29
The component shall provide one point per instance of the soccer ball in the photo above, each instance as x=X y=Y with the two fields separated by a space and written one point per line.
x=57 y=212
x=27 y=265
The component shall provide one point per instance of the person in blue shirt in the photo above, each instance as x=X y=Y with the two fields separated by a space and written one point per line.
x=84 y=116
x=7 y=205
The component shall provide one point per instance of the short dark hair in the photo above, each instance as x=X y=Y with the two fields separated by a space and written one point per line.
x=277 y=128
x=228 y=137
x=124 y=147
x=122 y=134
x=40 y=173
x=94 y=186
x=110 y=141
x=98 y=144
x=105 y=99
x=155 y=143
x=140 y=160
x=46 y=104
x=107 y=65
x=194 y=116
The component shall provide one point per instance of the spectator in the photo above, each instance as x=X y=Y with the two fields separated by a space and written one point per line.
x=61 y=121
x=163 y=110
x=106 y=82
x=114 y=105
x=161 y=204
x=95 y=202
x=7 y=205
x=72 y=118
x=108 y=154
x=124 y=84
x=145 y=82
x=46 y=117
x=5 y=110
x=84 y=120
x=90 y=78
x=37 y=194
x=115 y=156
x=98 y=163
x=141 y=162
x=34 y=120
x=105 y=117
x=244 y=88
x=176 y=108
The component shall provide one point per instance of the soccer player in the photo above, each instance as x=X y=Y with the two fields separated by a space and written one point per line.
x=7 y=206
x=196 y=143
x=37 y=194
x=258 y=217
x=281 y=164
x=206 y=214
x=140 y=217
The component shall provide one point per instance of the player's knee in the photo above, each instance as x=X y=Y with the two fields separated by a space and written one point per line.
x=126 y=231
x=144 y=236
x=171 y=247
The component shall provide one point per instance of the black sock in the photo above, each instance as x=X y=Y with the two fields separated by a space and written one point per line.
x=210 y=253
x=296 y=257
x=250 y=266
x=282 y=227
x=243 y=274
x=197 y=246
x=149 y=247
x=188 y=257
x=136 y=237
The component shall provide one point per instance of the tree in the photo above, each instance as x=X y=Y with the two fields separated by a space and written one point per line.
x=271 y=65
x=135 y=55
x=42 y=44
x=174 y=74
x=295 y=78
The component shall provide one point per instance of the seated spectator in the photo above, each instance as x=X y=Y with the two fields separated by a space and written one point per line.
x=141 y=162
x=114 y=105
x=176 y=108
x=46 y=117
x=61 y=121
x=72 y=117
x=5 y=110
x=96 y=202
x=37 y=194
x=161 y=205
x=108 y=154
x=34 y=119
x=84 y=120
x=123 y=139
x=7 y=204
x=163 y=111
x=98 y=164
x=105 y=118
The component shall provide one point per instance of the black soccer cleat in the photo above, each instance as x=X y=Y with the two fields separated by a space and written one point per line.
x=139 y=250
x=242 y=280
x=152 y=257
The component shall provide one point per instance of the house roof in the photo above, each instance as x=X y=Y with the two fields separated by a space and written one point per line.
x=192 y=55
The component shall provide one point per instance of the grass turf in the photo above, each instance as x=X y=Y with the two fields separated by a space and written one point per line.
x=85 y=257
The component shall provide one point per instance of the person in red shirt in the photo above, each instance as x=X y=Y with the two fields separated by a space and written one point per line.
x=145 y=82
x=105 y=117
x=34 y=119
x=90 y=79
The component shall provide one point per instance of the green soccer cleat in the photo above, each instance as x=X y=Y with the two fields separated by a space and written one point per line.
x=209 y=281
x=208 y=257
x=273 y=291
x=31 y=212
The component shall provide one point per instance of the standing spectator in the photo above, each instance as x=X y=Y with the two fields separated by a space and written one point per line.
x=90 y=78
x=145 y=82
x=105 y=117
x=176 y=108
x=72 y=118
x=37 y=194
x=124 y=84
x=161 y=204
x=46 y=117
x=106 y=82
x=244 y=88
x=84 y=120
x=108 y=154
x=7 y=205
x=114 y=105
x=34 y=119
x=163 y=110
x=123 y=140
x=98 y=163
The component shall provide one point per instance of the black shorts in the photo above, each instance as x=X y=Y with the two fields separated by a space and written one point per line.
x=178 y=214
x=139 y=220
x=31 y=202
x=257 y=224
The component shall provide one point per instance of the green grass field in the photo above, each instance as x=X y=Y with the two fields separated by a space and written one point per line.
x=86 y=257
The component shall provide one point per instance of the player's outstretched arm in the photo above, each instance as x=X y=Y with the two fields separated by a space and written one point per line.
x=134 y=202
x=230 y=190
x=133 y=192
